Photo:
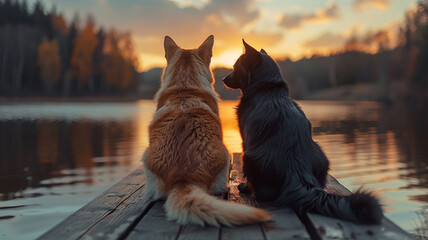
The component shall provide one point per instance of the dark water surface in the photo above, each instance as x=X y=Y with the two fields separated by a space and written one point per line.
x=56 y=157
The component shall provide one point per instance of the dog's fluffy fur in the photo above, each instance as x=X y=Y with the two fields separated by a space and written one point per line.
x=186 y=159
x=281 y=161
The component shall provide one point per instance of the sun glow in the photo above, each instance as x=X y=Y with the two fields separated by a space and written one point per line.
x=226 y=59
x=149 y=61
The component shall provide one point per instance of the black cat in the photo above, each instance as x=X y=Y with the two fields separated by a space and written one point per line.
x=281 y=162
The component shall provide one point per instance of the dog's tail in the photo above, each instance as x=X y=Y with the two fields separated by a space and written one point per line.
x=191 y=204
x=359 y=207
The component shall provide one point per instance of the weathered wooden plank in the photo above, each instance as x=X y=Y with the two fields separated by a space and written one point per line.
x=119 y=223
x=77 y=224
x=331 y=228
x=195 y=232
x=285 y=225
x=250 y=232
x=154 y=225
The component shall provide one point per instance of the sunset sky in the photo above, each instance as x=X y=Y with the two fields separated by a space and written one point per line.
x=282 y=27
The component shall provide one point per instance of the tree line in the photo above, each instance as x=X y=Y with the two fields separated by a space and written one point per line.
x=371 y=59
x=40 y=53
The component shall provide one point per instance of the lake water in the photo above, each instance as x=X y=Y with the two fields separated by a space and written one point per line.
x=56 y=157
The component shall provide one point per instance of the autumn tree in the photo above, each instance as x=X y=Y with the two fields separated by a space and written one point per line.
x=120 y=60
x=31 y=39
x=49 y=63
x=59 y=25
x=81 y=59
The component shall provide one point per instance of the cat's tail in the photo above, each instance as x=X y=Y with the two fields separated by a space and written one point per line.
x=359 y=207
x=191 y=204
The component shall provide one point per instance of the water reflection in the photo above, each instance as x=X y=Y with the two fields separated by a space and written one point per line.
x=67 y=153
x=35 y=150
x=40 y=145
x=380 y=147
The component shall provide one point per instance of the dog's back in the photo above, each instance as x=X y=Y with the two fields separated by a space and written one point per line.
x=186 y=126
x=186 y=158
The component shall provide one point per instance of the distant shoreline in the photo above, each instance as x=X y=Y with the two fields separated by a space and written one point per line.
x=133 y=99
x=73 y=99
x=349 y=93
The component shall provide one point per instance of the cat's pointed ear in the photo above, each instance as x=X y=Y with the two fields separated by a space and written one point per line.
x=252 y=57
x=205 y=51
x=249 y=50
x=263 y=51
x=170 y=47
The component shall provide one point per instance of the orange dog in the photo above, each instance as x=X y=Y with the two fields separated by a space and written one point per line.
x=186 y=159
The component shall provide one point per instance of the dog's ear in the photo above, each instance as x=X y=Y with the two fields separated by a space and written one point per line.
x=205 y=51
x=248 y=49
x=251 y=58
x=263 y=51
x=170 y=48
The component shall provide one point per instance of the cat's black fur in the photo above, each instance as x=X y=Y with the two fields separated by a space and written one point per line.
x=281 y=162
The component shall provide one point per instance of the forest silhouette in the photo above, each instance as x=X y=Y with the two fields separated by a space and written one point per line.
x=43 y=55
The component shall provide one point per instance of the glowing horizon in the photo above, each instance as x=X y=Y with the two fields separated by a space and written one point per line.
x=226 y=59
x=283 y=29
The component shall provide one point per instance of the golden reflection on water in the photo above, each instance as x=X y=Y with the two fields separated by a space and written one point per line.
x=145 y=113
x=231 y=135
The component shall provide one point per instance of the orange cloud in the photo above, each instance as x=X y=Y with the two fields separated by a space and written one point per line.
x=329 y=12
x=189 y=26
x=188 y=22
x=325 y=40
x=370 y=41
x=364 y=4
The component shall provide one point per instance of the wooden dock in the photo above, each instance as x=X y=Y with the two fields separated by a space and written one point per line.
x=122 y=213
